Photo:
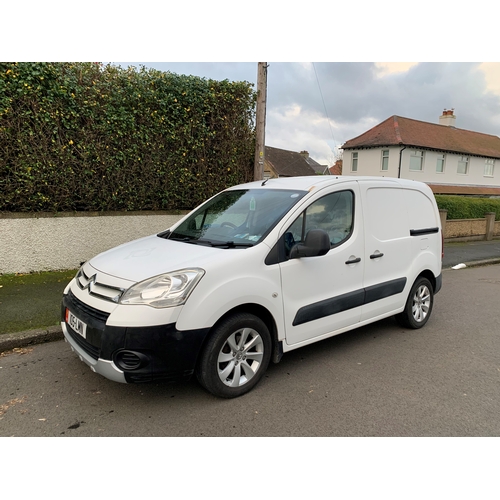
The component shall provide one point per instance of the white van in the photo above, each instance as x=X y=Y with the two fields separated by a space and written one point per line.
x=256 y=271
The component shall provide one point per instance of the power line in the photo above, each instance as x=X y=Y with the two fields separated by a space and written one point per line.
x=324 y=106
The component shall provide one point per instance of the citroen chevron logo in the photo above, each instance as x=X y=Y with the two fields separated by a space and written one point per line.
x=90 y=283
x=99 y=290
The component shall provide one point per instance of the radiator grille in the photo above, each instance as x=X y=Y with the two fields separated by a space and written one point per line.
x=90 y=311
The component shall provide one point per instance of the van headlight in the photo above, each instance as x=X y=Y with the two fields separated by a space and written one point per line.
x=165 y=290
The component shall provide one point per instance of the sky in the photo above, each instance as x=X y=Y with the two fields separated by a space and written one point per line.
x=318 y=106
x=314 y=106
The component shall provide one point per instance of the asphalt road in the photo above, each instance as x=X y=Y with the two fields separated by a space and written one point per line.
x=381 y=380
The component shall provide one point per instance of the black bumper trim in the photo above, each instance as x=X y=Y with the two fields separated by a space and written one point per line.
x=439 y=283
x=172 y=353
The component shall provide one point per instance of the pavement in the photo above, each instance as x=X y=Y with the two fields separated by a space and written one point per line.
x=471 y=253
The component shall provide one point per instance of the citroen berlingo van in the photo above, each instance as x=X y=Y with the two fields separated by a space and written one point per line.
x=256 y=271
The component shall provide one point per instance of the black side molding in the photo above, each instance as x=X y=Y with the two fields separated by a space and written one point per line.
x=348 y=301
x=383 y=290
x=329 y=306
x=420 y=232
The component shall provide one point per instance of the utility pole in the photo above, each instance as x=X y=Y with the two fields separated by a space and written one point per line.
x=260 y=121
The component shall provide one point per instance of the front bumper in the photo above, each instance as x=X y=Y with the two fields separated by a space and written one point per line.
x=131 y=354
x=104 y=367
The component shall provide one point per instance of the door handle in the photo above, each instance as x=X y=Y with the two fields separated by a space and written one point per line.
x=376 y=255
x=353 y=261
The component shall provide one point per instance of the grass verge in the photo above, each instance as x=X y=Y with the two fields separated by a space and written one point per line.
x=30 y=301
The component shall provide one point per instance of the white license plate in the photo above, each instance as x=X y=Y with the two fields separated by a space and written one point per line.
x=76 y=324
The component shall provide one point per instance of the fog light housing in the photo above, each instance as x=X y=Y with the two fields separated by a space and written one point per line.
x=130 y=360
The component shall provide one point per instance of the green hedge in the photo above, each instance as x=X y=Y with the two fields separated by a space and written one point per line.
x=461 y=207
x=84 y=136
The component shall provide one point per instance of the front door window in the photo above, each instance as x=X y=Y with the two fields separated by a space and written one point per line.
x=333 y=213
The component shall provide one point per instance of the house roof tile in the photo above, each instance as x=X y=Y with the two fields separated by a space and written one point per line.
x=317 y=167
x=287 y=163
x=398 y=130
x=337 y=168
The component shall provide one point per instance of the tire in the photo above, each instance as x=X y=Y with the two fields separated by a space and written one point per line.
x=235 y=357
x=418 y=307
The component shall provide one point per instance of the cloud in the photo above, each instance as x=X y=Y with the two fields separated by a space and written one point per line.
x=491 y=72
x=353 y=97
x=386 y=68
x=318 y=106
x=295 y=129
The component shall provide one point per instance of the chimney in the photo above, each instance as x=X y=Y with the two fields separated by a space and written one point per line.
x=447 y=118
x=305 y=154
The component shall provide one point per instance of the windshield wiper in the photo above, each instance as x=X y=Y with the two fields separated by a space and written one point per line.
x=186 y=239
x=230 y=244
x=194 y=241
x=164 y=234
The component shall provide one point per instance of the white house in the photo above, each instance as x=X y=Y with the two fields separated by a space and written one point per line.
x=450 y=160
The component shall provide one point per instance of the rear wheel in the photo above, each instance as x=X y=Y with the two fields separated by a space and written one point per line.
x=418 y=307
x=236 y=356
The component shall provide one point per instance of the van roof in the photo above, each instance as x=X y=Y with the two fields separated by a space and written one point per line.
x=307 y=183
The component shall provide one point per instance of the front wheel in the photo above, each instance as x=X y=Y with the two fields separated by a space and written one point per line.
x=236 y=356
x=418 y=307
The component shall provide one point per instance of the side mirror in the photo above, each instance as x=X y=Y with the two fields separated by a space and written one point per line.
x=317 y=243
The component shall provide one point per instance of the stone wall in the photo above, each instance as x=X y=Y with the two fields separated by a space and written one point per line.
x=470 y=229
x=48 y=242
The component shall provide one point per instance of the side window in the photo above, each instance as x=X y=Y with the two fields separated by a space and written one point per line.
x=334 y=213
x=385 y=159
x=417 y=160
x=354 y=162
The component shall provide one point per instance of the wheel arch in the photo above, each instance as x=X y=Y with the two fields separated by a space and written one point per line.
x=417 y=310
x=260 y=312
x=427 y=273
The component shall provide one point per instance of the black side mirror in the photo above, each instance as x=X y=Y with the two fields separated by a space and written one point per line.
x=317 y=243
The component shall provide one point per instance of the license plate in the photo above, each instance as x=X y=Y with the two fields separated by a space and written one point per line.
x=76 y=324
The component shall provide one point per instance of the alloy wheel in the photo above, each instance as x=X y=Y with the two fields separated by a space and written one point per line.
x=240 y=357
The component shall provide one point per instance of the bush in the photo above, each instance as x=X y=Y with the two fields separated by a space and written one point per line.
x=461 y=207
x=83 y=136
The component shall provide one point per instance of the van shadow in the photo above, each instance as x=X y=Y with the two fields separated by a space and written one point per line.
x=336 y=347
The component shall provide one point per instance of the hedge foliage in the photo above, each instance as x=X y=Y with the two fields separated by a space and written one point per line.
x=84 y=136
x=461 y=207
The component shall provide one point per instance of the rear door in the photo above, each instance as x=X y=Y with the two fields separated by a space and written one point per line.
x=324 y=294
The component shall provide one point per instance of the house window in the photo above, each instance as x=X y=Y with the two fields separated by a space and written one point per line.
x=440 y=164
x=385 y=159
x=354 y=162
x=463 y=165
x=416 y=160
x=489 y=165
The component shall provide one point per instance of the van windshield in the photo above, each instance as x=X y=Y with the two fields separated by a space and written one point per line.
x=236 y=218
